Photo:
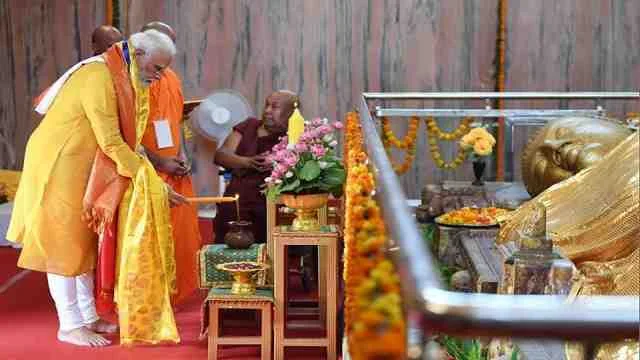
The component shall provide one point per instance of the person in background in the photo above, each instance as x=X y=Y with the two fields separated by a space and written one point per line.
x=103 y=37
x=244 y=154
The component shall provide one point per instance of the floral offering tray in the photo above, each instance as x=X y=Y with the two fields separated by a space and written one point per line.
x=469 y=217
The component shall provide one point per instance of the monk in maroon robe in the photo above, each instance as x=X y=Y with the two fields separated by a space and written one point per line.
x=244 y=153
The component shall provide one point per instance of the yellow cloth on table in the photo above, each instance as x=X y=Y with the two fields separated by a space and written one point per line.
x=9 y=180
x=145 y=264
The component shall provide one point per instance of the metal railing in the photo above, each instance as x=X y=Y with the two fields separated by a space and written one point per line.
x=596 y=318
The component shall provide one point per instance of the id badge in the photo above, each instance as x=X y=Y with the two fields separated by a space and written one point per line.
x=163 y=134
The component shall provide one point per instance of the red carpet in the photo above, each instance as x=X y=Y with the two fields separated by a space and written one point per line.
x=8 y=260
x=29 y=324
x=28 y=327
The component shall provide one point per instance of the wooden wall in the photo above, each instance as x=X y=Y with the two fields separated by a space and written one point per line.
x=39 y=40
x=575 y=45
x=330 y=51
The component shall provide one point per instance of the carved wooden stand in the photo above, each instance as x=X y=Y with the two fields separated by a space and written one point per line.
x=264 y=340
x=327 y=238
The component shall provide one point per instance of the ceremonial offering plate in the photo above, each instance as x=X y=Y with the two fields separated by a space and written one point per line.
x=242 y=272
x=469 y=217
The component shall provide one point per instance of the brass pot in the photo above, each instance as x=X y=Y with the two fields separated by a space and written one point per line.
x=239 y=235
x=306 y=207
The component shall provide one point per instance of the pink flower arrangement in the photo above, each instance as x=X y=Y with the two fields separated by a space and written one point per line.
x=310 y=165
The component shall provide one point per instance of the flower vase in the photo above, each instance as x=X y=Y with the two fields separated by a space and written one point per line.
x=306 y=207
x=478 y=172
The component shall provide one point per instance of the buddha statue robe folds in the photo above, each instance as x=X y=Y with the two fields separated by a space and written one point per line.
x=594 y=220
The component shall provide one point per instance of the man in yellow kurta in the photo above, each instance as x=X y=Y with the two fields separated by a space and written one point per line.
x=82 y=116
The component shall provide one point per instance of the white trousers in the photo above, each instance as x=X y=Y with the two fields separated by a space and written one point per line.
x=74 y=299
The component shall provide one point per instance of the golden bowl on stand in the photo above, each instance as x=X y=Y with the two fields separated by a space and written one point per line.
x=242 y=272
x=306 y=207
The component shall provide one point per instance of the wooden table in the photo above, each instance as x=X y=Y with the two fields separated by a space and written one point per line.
x=326 y=238
x=262 y=301
x=481 y=258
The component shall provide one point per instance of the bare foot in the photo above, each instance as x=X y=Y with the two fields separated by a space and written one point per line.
x=102 y=327
x=82 y=337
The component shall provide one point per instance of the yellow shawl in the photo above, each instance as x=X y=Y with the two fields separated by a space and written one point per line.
x=145 y=265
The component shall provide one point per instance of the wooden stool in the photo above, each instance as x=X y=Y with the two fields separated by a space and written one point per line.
x=262 y=301
x=326 y=238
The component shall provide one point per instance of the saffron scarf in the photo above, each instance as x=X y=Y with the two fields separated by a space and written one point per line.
x=106 y=187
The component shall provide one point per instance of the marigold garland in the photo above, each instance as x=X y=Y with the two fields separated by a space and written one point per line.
x=434 y=134
x=501 y=48
x=409 y=156
x=408 y=143
x=373 y=310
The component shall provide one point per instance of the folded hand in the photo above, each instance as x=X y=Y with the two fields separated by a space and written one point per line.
x=174 y=167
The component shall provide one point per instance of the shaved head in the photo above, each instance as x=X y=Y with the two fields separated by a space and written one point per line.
x=162 y=27
x=278 y=108
x=289 y=98
x=103 y=37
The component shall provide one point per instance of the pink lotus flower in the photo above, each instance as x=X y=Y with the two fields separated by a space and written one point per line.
x=318 y=150
x=316 y=143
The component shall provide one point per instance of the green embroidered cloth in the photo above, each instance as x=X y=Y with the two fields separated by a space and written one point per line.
x=262 y=294
x=323 y=229
x=211 y=255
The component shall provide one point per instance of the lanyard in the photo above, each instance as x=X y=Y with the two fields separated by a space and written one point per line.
x=125 y=52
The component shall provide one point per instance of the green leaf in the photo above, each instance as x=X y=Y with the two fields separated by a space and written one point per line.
x=310 y=170
x=308 y=185
x=290 y=186
x=273 y=192
x=514 y=353
x=334 y=176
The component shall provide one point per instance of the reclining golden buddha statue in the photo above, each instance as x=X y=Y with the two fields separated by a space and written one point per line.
x=565 y=146
x=594 y=219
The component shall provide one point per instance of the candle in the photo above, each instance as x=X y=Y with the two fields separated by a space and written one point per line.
x=237 y=200
x=212 y=199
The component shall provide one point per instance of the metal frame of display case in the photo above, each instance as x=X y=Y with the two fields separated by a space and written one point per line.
x=589 y=319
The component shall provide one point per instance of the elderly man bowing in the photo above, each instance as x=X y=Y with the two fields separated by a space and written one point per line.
x=81 y=160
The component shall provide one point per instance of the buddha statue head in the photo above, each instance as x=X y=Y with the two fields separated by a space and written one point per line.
x=565 y=146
